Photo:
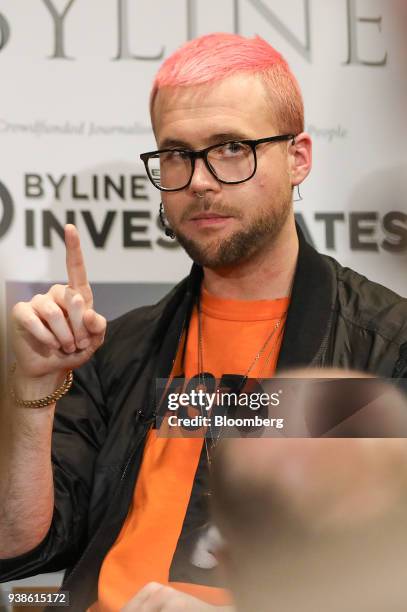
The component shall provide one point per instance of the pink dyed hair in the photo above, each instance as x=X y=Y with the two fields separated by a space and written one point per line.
x=213 y=57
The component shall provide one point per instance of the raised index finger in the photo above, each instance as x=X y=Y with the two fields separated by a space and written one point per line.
x=75 y=265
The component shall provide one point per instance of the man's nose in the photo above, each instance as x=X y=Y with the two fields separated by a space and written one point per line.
x=202 y=179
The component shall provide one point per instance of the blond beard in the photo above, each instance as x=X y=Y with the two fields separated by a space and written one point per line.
x=242 y=244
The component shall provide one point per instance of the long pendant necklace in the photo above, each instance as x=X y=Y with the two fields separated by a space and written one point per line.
x=201 y=372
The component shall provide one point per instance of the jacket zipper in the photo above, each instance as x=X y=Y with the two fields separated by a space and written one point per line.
x=324 y=343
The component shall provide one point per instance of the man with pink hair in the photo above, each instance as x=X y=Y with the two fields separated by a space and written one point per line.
x=96 y=482
x=230 y=82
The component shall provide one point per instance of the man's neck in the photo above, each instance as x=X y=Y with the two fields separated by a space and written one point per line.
x=266 y=276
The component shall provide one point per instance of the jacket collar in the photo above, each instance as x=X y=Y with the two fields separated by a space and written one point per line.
x=310 y=310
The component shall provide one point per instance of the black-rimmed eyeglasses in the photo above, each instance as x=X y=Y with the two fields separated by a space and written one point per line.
x=231 y=162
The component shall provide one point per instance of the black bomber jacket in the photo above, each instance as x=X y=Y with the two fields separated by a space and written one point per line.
x=336 y=318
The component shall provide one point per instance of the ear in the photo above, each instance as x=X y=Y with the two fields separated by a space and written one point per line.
x=300 y=158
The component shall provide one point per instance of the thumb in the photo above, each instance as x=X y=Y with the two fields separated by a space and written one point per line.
x=94 y=322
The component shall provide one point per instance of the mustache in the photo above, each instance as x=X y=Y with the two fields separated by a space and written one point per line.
x=206 y=207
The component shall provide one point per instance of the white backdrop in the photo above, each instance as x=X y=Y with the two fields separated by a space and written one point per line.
x=75 y=82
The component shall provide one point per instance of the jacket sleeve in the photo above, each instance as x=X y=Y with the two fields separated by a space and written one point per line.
x=78 y=433
x=400 y=370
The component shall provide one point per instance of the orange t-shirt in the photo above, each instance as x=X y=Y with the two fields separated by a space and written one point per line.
x=156 y=542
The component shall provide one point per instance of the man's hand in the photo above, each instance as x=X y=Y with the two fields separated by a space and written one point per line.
x=155 y=597
x=58 y=331
x=51 y=334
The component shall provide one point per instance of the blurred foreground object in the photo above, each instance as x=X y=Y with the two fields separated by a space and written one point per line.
x=314 y=524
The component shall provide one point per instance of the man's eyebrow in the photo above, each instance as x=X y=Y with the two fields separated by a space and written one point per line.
x=168 y=143
x=225 y=136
